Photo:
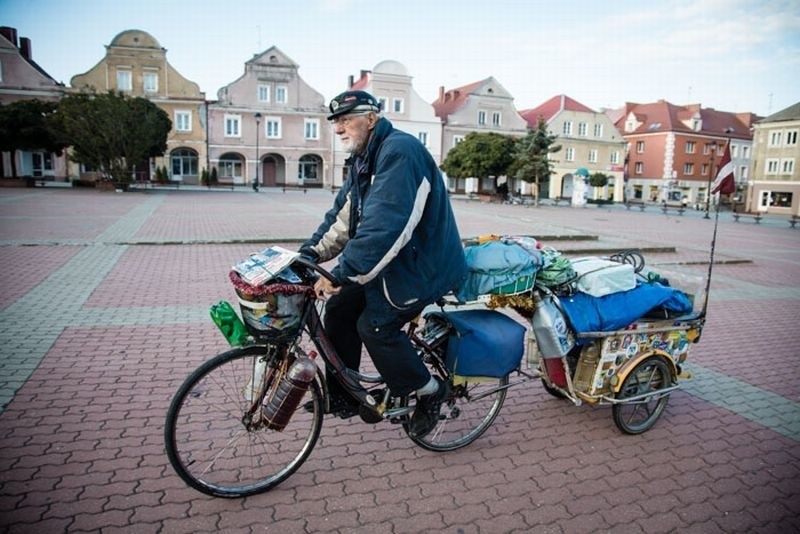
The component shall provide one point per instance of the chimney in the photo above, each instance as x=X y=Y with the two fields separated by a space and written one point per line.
x=25 y=47
x=441 y=93
x=350 y=81
x=10 y=34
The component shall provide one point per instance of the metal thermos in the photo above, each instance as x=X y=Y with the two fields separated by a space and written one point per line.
x=550 y=328
x=280 y=405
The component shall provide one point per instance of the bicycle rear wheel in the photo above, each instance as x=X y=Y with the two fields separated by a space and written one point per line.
x=469 y=410
x=214 y=442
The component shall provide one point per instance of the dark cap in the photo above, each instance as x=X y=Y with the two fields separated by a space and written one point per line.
x=352 y=102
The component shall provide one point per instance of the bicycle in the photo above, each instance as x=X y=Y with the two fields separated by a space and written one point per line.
x=220 y=442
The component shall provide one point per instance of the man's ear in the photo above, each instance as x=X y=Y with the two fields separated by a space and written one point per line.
x=373 y=120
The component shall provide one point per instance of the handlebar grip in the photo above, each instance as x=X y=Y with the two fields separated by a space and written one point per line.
x=305 y=262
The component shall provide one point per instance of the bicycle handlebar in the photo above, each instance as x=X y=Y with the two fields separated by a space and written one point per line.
x=305 y=262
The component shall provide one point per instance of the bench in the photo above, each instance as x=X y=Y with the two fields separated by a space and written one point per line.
x=757 y=217
x=297 y=187
x=793 y=220
x=641 y=205
x=679 y=208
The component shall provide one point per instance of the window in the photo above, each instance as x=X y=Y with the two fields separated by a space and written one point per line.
x=775 y=139
x=593 y=155
x=569 y=155
x=567 y=128
x=308 y=168
x=263 y=93
x=232 y=123
x=150 y=82
x=230 y=167
x=639 y=167
x=781 y=199
x=787 y=166
x=583 y=129
x=495 y=119
x=704 y=169
x=281 y=94
x=791 y=138
x=1 y=71
x=124 y=80
x=688 y=169
x=743 y=172
x=383 y=102
x=615 y=157
x=183 y=121
x=184 y=162
x=311 y=129
x=772 y=166
x=457 y=139
x=481 y=118
x=745 y=152
x=598 y=130
x=690 y=147
x=734 y=151
x=423 y=138
x=397 y=105
x=273 y=127
x=639 y=147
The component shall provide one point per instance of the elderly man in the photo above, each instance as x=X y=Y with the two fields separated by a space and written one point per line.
x=398 y=248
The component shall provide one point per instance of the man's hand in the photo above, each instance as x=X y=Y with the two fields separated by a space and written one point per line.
x=323 y=288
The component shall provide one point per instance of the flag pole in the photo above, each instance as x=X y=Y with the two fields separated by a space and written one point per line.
x=711 y=259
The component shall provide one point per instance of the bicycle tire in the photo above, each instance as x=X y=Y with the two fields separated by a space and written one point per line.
x=211 y=447
x=465 y=415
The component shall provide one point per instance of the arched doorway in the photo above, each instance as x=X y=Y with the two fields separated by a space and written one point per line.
x=183 y=162
x=230 y=169
x=273 y=170
x=567 y=186
x=309 y=171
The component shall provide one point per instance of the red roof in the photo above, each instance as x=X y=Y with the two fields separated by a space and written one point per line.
x=452 y=100
x=663 y=116
x=550 y=108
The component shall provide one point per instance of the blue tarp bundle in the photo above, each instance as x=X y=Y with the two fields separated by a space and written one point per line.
x=618 y=310
x=495 y=264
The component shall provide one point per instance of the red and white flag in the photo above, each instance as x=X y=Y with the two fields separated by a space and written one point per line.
x=724 y=182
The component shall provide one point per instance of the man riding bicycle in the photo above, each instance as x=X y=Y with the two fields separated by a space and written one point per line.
x=393 y=230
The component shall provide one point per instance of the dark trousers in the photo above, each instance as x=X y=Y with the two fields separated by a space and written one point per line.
x=351 y=320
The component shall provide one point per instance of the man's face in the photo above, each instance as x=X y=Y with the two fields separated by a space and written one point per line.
x=353 y=130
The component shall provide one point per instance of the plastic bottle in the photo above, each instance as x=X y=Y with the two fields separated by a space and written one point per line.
x=280 y=405
x=229 y=323
x=550 y=328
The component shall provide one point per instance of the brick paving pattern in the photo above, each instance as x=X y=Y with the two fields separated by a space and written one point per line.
x=104 y=307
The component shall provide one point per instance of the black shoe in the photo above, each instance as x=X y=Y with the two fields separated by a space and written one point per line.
x=339 y=406
x=426 y=413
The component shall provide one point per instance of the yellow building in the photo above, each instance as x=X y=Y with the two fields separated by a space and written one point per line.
x=136 y=64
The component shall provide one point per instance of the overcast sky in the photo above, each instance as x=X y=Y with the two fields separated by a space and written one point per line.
x=732 y=55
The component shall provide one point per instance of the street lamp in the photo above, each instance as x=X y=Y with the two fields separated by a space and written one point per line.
x=713 y=147
x=258 y=163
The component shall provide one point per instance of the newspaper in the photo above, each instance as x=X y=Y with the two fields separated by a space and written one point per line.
x=265 y=265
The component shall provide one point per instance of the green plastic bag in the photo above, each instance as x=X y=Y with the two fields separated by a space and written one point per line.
x=229 y=323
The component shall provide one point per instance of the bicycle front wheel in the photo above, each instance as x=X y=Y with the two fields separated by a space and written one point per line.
x=213 y=438
x=470 y=409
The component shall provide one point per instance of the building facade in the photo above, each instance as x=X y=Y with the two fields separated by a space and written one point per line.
x=135 y=64
x=484 y=106
x=590 y=143
x=391 y=84
x=269 y=125
x=21 y=78
x=674 y=151
x=774 y=184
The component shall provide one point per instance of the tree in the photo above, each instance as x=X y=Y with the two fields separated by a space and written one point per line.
x=598 y=179
x=28 y=125
x=480 y=155
x=113 y=132
x=532 y=161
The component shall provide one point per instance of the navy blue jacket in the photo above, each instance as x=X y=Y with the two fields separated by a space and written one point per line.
x=392 y=225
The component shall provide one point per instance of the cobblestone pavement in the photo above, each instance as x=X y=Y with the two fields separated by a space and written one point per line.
x=104 y=307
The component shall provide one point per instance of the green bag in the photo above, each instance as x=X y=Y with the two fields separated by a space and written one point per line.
x=557 y=269
x=229 y=323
